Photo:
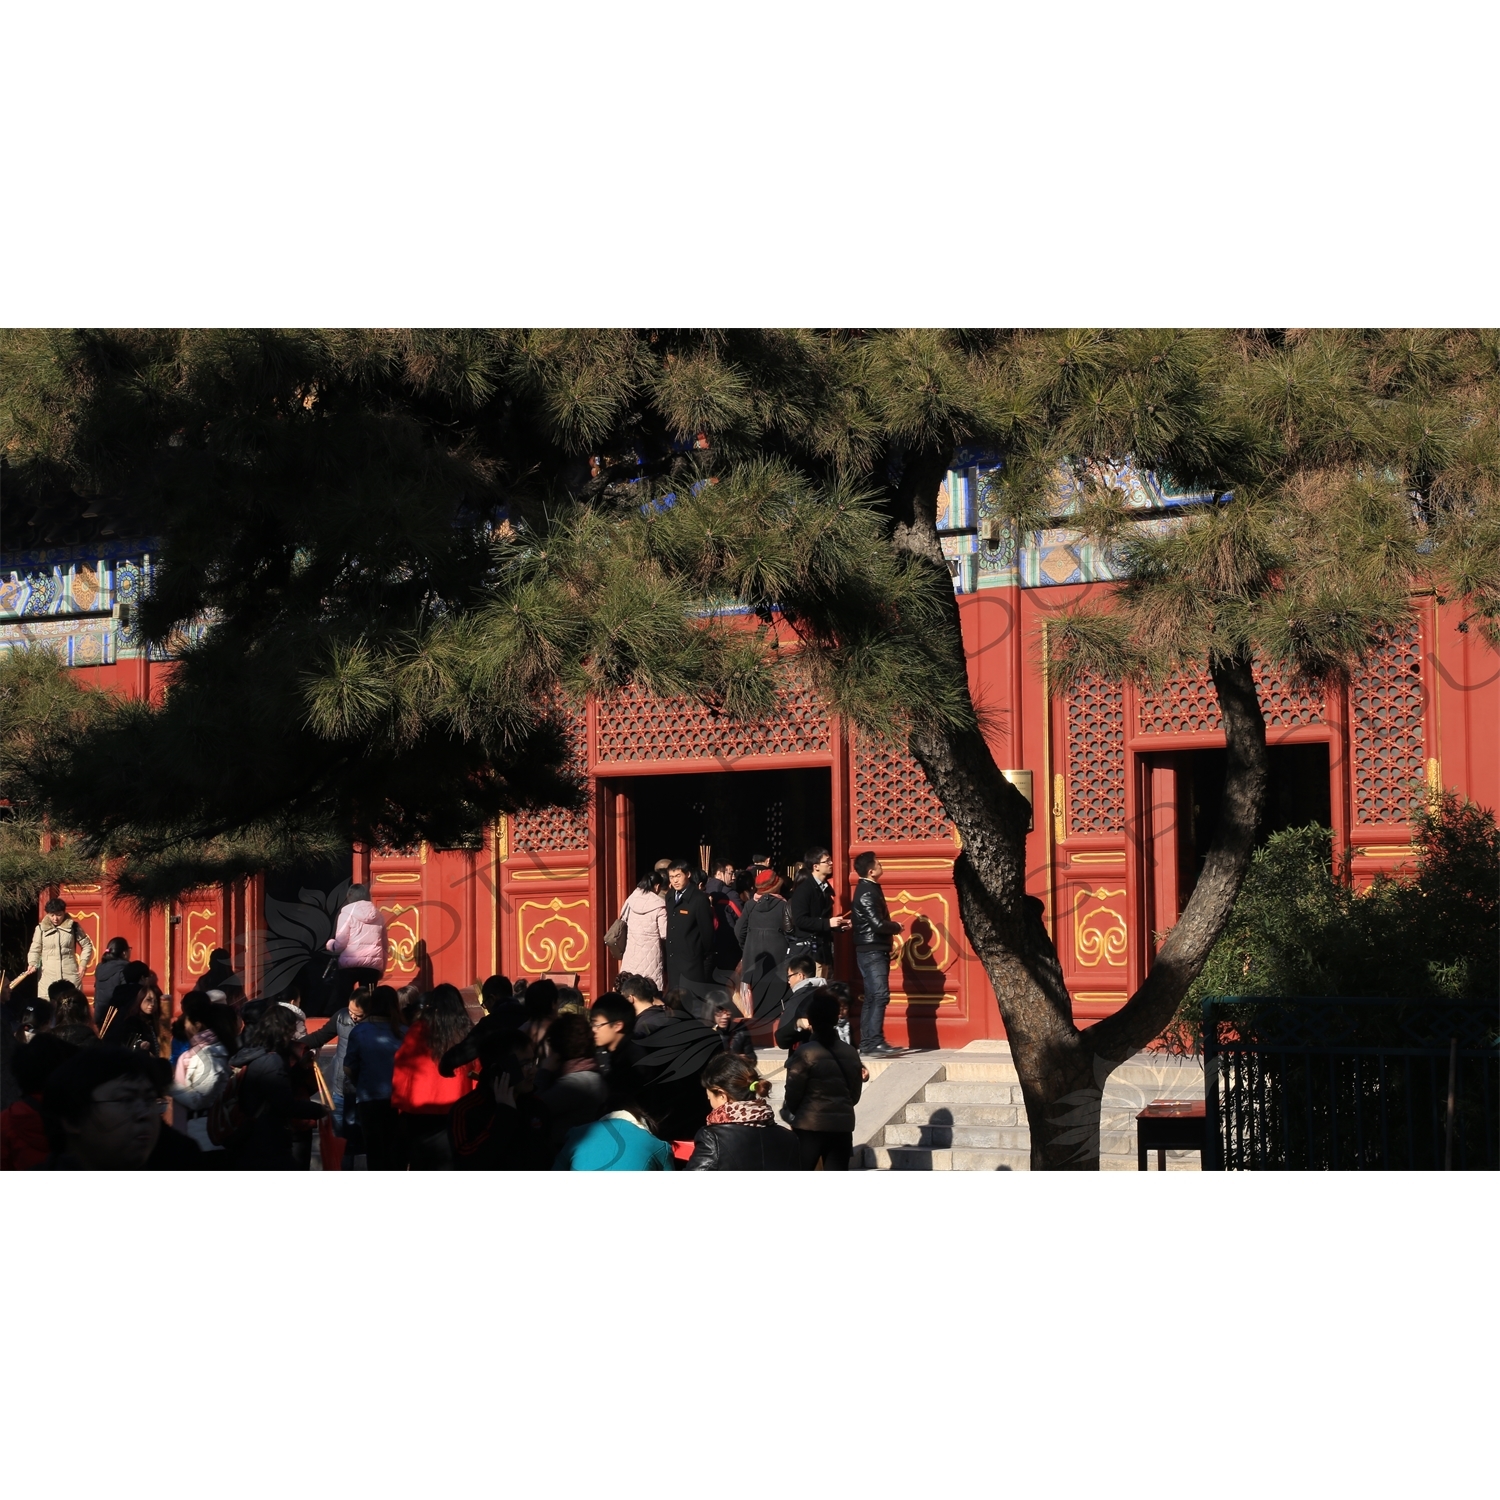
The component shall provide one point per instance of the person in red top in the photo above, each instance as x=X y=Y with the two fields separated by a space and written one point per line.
x=422 y=1096
x=23 y=1137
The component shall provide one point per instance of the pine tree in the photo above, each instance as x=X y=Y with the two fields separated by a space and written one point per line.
x=417 y=545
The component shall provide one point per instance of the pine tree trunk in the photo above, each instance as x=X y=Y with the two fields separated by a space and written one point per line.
x=1063 y=1070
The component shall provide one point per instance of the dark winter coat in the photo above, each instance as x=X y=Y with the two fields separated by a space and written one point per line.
x=273 y=1107
x=794 y=1008
x=872 y=924
x=690 y=937
x=745 y=1148
x=822 y=1086
x=735 y=1039
x=812 y=907
x=106 y=977
x=370 y=1060
x=763 y=932
x=724 y=902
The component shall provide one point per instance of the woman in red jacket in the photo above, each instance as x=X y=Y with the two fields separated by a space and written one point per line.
x=422 y=1096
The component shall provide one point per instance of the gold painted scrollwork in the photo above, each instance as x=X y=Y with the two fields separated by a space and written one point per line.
x=403 y=931
x=551 y=942
x=1099 y=931
x=202 y=937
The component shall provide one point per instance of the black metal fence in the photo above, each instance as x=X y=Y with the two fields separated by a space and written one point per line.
x=1350 y=1085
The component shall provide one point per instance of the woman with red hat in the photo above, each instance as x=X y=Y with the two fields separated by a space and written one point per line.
x=764 y=930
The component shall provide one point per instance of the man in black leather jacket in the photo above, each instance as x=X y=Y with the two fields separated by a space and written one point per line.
x=873 y=931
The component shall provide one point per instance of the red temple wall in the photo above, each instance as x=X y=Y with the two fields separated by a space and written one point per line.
x=538 y=897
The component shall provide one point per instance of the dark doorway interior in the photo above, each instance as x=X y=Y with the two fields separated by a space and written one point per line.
x=735 y=813
x=1297 y=794
x=302 y=904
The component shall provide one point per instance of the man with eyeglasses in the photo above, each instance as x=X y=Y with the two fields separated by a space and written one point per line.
x=103 y=1111
x=812 y=904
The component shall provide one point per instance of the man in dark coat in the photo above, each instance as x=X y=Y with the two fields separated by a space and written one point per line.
x=812 y=911
x=724 y=901
x=690 y=931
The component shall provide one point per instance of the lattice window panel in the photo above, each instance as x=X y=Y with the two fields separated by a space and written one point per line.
x=1189 y=705
x=1385 y=702
x=1096 y=757
x=545 y=829
x=893 y=803
x=637 y=726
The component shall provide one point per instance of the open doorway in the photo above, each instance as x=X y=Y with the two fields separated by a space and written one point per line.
x=731 y=814
x=1184 y=802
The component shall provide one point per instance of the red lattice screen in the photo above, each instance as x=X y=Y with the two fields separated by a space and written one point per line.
x=892 y=802
x=637 y=726
x=1096 y=757
x=1385 y=702
x=546 y=829
x=1191 y=706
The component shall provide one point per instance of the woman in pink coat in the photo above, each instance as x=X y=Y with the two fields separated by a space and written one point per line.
x=359 y=940
x=645 y=930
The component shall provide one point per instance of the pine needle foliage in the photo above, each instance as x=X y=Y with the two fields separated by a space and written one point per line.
x=419 y=547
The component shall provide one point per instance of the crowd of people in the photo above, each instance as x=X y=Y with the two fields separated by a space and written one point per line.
x=660 y=1073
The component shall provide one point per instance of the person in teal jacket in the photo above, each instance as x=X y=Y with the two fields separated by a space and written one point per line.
x=616 y=1143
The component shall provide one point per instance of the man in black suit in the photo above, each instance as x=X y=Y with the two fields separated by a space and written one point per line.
x=812 y=912
x=690 y=931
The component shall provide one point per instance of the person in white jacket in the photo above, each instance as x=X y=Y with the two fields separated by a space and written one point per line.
x=202 y=1071
x=60 y=948
x=360 y=942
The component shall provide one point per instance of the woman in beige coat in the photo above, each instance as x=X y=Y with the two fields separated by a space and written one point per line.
x=60 y=948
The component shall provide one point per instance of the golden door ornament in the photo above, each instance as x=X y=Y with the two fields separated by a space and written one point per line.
x=403 y=931
x=89 y=921
x=1099 y=931
x=925 y=944
x=201 y=937
x=550 y=942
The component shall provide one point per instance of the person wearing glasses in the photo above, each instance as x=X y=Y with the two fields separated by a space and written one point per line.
x=102 y=1110
x=813 y=918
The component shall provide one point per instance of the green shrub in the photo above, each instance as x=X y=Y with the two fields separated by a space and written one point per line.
x=1297 y=928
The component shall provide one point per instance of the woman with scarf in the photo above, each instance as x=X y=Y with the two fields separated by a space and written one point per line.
x=740 y=1134
x=203 y=1070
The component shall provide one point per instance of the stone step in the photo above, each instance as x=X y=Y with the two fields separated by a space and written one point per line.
x=971 y=1093
x=978 y=1159
x=993 y=1137
x=913 y=1159
x=923 y=1112
x=963 y=1070
x=1177 y=1081
x=927 y=1112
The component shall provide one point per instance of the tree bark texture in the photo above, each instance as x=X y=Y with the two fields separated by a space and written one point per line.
x=1063 y=1070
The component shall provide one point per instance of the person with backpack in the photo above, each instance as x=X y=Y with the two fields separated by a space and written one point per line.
x=201 y=1072
x=369 y=1068
x=255 y=1115
x=60 y=948
x=823 y=1083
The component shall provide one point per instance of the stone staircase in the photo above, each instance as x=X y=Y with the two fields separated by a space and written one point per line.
x=966 y=1114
